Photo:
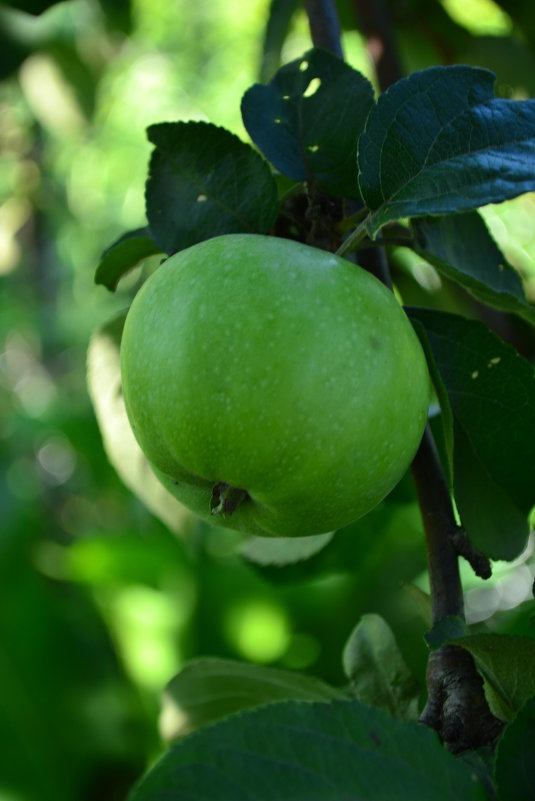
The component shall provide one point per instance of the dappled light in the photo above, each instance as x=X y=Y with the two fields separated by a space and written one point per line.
x=258 y=630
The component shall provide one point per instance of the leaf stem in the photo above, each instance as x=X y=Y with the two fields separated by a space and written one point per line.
x=353 y=239
x=348 y=222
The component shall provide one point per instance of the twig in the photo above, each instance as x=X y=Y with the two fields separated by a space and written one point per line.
x=439 y=525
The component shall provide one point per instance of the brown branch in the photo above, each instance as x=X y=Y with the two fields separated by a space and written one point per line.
x=375 y=25
x=324 y=212
x=439 y=526
x=324 y=25
x=456 y=706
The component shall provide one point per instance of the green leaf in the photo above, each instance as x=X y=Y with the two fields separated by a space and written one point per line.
x=439 y=387
x=439 y=142
x=491 y=392
x=481 y=762
x=506 y=663
x=104 y=384
x=207 y=690
x=461 y=248
x=377 y=671
x=489 y=510
x=203 y=182
x=281 y=551
x=515 y=757
x=319 y=752
x=446 y=629
x=307 y=121
x=123 y=256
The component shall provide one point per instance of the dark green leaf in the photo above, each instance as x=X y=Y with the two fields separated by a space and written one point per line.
x=507 y=665
x=377 y=671
x=515 y=757
x=446 y=629
x=491 y=392
x=279 y=551
x=461 y=247
x=342 y=751
x=481 y=762
x=206 y=690
x=489 y=511
x=307 y=121
x=203 y=182
x=440 y=142
x=123 y=256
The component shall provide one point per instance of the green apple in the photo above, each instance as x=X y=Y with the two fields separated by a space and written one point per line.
x=274 y=388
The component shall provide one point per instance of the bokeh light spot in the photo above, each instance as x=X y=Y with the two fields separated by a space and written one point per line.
x=259 y=630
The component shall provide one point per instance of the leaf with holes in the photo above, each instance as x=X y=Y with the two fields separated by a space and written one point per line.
x=439 y=142
x=461 y=248
x=203 y=182
x=308 y=120
x=490 y=390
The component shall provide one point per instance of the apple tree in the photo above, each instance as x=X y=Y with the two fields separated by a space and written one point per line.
x=276 y=387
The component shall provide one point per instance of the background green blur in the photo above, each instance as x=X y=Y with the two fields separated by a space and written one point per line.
x=100 y=602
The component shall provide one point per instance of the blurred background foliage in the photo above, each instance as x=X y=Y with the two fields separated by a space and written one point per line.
x=101 y=601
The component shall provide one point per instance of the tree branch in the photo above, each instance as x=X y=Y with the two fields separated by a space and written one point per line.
x=456 y=706
x=324 y=212
x=439 y=527
x=376 y=26
x=324 y=25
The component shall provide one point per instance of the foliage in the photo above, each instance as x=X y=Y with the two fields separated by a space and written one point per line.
x=437 y=142
x=102 y=604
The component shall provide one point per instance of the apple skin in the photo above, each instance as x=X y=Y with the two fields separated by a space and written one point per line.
x=278 y=369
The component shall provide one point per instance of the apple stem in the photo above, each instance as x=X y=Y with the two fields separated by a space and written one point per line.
x=226 y=499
